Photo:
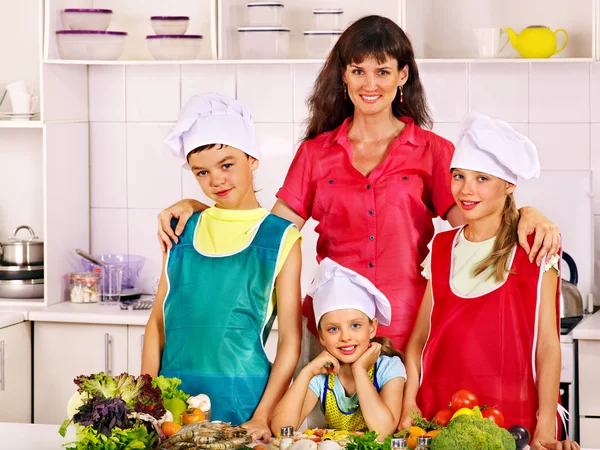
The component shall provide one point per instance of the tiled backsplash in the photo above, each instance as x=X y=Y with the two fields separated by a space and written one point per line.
x=134 y=175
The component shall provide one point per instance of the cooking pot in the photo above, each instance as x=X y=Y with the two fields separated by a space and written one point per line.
x=21 y=272
x=22 y=288
x=22 y=252
x=571 y=303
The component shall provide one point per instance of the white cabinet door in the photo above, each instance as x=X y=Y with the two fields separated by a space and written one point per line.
x=589 y=367
x=15 y=373
x=135 y=344
x=588 y=432
x=63 y=351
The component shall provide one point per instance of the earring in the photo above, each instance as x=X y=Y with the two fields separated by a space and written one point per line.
x=401 y=88
x=345 y=91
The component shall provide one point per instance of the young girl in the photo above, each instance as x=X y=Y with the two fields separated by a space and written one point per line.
x=222 y=284
x=488 y=321
x=357 y=388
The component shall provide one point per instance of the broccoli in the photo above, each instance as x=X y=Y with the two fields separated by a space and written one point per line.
x=473 y=433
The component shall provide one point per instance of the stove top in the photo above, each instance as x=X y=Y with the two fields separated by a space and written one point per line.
x=568 y=323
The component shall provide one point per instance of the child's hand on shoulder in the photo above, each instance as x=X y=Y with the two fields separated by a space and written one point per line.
x=324 y=363
x=368 y=358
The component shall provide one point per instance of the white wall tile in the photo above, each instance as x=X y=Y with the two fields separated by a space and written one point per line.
x=276 y=143
x=142 y=225
x=559 y=93
x=595 y=166
x=500 y=91
x=595 y=91
x=107 y=93
x=446 y=89
x=108 y=230
x=108 y=165
x=596 y=260
x=267 y=91
x=200 y=79
x=562 y=146
x=447 y=130
x=153 y=170
x=65 y=92
x=153 y=93
x=299 y=130
x=305 y=76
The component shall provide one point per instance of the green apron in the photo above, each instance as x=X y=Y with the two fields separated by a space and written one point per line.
x=215 y=317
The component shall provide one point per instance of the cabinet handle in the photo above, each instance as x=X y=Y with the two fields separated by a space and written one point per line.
x=107 y=347
x=1 y=365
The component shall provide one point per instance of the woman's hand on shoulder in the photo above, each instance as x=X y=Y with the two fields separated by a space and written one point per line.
x=406 y=418
x=547 y=236
x=324 y=363
x=368 y=358
x=181 y=210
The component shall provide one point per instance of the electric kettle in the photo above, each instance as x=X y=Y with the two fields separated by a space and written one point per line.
x=571 y=303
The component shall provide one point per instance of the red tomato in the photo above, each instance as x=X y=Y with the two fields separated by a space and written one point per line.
x=495 y=415
x=443 y=417
x=463 y=399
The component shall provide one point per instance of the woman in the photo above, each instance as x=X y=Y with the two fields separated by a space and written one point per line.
x=371 y=175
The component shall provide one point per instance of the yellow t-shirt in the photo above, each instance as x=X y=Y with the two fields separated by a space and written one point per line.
x=225 y=231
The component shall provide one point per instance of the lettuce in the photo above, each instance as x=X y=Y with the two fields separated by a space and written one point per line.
x=130 y=439
x=168 y=387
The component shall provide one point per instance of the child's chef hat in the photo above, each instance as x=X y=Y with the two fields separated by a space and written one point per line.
x=494 y=147
x=336 y=287
x=213 y=119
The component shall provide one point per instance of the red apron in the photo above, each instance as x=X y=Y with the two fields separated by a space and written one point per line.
x=484 y=344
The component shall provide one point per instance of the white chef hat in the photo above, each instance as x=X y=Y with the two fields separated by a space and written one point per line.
x=336 y=287
x=494 y=147
x=213 y=119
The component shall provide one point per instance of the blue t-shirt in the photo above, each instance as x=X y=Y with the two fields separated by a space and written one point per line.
x=388 y=367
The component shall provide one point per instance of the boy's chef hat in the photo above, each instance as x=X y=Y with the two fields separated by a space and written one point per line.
x=494 y=147
x=336 y=287
x=213 y=119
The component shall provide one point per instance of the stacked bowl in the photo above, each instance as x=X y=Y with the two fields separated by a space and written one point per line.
x=265 y=37
x=170 y=41
x=85 y=37
x=327 y=30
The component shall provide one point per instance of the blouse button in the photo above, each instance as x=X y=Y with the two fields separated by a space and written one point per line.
x=330 y=181
x=371 y=264
x=371 y=212
x=404 y=178
x=372 y=238
x=368 y=186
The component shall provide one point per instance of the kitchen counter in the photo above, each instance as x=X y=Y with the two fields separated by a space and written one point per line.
x=10 y=318
x=588 y=328
x=26 y=436
x=97 y=313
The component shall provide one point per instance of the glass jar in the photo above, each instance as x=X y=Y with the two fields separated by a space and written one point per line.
x=399 y=443
x=85 y=287
x=423 y=443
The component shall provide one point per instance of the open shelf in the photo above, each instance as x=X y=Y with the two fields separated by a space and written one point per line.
x=21 y=124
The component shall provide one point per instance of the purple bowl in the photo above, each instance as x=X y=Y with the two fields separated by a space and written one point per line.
x=88 y=10
x=113 y=33
x=176 y=36
x=169 y=18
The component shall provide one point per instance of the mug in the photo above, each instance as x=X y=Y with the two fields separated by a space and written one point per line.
x=25 y=86
x=489 y=41
x=22 y=102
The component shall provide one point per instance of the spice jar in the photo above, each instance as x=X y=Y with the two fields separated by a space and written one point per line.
x=286 y=438
x=85 y=287
x=423 y=443
x=399 y=443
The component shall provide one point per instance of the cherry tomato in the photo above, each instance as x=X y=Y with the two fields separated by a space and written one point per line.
x=495 y=415
x=463 y=399
x=443 y=417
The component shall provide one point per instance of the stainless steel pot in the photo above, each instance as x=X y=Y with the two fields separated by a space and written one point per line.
x=22 y=252
x=571 y=303
x=21 y=272
x=22 y=288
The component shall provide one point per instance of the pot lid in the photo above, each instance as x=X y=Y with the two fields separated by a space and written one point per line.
x=5 y=269
x=21 y=282
x=31 y=240
x=169 y=18
x=328 y=11
x=88 y=10
x=275 y=4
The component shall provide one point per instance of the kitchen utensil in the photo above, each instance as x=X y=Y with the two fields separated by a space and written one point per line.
x=490 y=41
x=328 y=18
x=132 y=266
x=85 y=287
x=571 y=302
x=89 y=257
x=23 y=102
x=22 y=288
x=264 y=42
x=265 y=14
x=170 y=24
x=137 y=305
x=86 y=19
x=22 y=252
x=89 y=44
x=25 y=86
x=318 y=43
x=536 y=41
x=174 y=47
x=21 y=272
x=112 y=286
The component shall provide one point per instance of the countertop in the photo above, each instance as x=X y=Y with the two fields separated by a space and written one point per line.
x=588 y=328
x=97 y=313
x=10 y=318
x=26 y=436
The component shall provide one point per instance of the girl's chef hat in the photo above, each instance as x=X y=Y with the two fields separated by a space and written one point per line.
x=213 y=119
x=494 y=147
x=336 y=287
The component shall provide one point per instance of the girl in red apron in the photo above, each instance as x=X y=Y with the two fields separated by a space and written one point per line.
x=488 y=322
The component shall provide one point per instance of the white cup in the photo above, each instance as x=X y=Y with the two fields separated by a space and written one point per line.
x=490 y=41
x=24 y=86
x=22 y=102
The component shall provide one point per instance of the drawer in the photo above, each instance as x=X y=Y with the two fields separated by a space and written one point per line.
x=567 y=368
x=588 y=432
x=589 y=387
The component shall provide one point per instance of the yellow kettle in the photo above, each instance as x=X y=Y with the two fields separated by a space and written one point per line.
x=536 y=41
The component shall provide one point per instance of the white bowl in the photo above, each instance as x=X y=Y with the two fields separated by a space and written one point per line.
x=328 y=18
x=265 y=14
x=86 y=19
x=174 y=47
x=170 y=24
x=318 y=43
x=264 y=42
x=96 y=45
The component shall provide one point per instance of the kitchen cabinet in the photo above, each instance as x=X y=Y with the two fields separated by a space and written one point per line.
x=63 y=351
x=15 y=373
x=589 y=388
x=135 y=344
x=588 y=432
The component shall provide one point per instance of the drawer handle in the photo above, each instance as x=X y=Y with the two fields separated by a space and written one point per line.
x=107 y=348
x=1 y=365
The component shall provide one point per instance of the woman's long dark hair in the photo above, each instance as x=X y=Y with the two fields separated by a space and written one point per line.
x=371 y=36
